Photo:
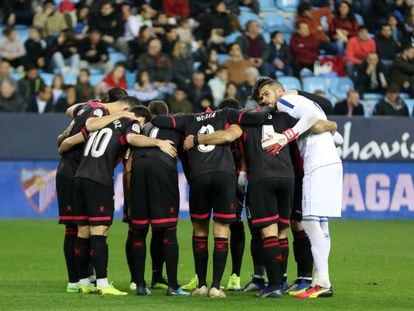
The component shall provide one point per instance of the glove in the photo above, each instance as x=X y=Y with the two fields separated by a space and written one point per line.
x=275 y=142
x=241 y=180
x=338 y=139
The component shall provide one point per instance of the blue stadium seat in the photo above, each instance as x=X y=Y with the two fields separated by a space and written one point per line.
x=94 y=79
x=221 y=58
x=95 y=71
x=404 y=95
x=410 y=105
x=130 y=77
x=70 y=78
x=359 y=19
x=312 y=84
x=266 y=36
x=372 y=96
x=339 y=86
x=232 y=37
x=290 y=83
x=274 y=21
x=47 y=78
x=245 y=9
x=287 y=5
x=23 y=34
x=245 y=17
x=287 y=36
x=116 y=57
x=370 y=100
x=267 y=5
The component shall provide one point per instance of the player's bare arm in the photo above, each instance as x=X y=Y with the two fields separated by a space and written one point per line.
x=323 y=126
x=72 y=109
x=95 y=124
x=70 y=142
x=138 y=140
x=64 y=134
x=216 y=138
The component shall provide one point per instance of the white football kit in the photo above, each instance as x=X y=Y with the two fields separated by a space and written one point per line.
x=322 y=181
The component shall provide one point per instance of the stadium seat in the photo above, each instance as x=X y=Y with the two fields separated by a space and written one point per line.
x=266 y=36
x=372 y=96
x=404 y=95
x=245 y=9
x=221 y=58
x=274 y=21
x=70 y=78
x=245 y=17
x=130 y=77
x=410 y=105
x=370 y=100
x=339 y=86
x=232 y=37
x=47 y=78
x=290 y=83
x=94 y=71
x=23 y=34
x=96 y=78
x=312 y=84
x=359 y=19
x=267 y=5
x=287 y=36
x=117 y=57
x=287 y=5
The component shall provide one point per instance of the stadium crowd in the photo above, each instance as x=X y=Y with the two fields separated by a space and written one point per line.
x=195 y=53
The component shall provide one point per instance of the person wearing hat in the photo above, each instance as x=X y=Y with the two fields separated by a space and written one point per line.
x=392 y=104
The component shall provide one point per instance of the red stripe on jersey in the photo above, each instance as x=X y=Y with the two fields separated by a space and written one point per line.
x=100 y=218
x=227 y=216
x=95 y=104
x=122 y=140
x=174 y=122
x=270 y=245
x=265 y=219
x=240 y=116
x=227 y=125
x=202 y=216
x=85 y=132
x=140 y=222
x=284 y=221
x=73 y=217
x=164 y=220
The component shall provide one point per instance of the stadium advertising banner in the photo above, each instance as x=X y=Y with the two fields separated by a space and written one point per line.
x=378 y=158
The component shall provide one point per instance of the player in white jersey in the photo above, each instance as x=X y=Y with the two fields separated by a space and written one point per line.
x=322 y=181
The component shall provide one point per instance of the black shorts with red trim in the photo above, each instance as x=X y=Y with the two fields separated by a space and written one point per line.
x=65 y=193
x=297 y=201
x=94 y=203
x=155 y=197
x=270 y=201
x=213 y=191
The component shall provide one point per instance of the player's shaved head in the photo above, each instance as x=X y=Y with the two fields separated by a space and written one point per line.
x=142 y=111
x=158 y=107
x=115 y=94
x=230 y=103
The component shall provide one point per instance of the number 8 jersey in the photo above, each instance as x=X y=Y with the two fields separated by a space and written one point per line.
x=104 y=149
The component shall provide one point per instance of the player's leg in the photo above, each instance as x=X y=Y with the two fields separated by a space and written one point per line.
x=157 y=259
x=131 y=266
x=71 y=232
x=139 y=254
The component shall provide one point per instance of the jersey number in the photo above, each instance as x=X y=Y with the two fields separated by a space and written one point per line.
x=205 y=130
x=98 y=142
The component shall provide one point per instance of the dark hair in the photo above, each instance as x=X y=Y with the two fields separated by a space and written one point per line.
x=116 y=93
x=158 y=107
x=142 y=111
x=230 y=103
x=131 y=101
x=350 y=16
x=256 y=88
x=231 y=46
x=304 y=6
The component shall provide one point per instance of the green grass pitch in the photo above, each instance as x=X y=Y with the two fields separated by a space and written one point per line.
x=371 y=264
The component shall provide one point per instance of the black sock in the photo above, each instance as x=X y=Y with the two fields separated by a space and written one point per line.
x=170 y=249
x=284 y=252
x=237 y=241
x=221 y=249
x=303 y=254
x=99 y=255
x=256 y=250
x=271 y=253
x=157 y=256
x=139 y=254
x=128 y=251
x=71 y=232
x=82 y=247
x=200 y=252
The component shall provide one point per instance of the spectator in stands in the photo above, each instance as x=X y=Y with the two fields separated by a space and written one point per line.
x=12 y=48
x=198 y=90
x=57 y=88
x=387 y=47
x=42 y=102
x=312 y=17
x=198 y=8
x=65 y=54
x=84 y=89
x=110 y=24
x=93 y=52
x=343 y=26
x=156 y=63
x=408 y=28
x=350 y=106
x=37 y=49
x=50 y=20
x=139 y=45
x=392 y=104
x=176 y=8
x=160 y=24
x=218 y=85
x=18 y=12
x=67 y=100
x=371 y=75
x=215 y=25
x=232 y=92
x=237 y=64
x=185 y=30
x=254 y=46
x=116 y=78
x=402 y=69
x=169 y=39
x=82 y=22
x=179 y=102
x=379 y=10
x=279 y=55
x=253 y=5
x=5 y=71
x=10 y=100
x=182 y=63
x=30 y=83
x=396 y=28
x=210 y=65
x=131 y=22
x=324 y=103
x=304 y=47
x=245 y=89
x=357 y=50
x=145 y=89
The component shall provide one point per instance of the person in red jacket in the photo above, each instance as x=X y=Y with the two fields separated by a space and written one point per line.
x=176 y=8
x=116 y=78
x=304 y=47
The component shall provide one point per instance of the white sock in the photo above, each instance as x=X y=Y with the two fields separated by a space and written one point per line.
x=320 y=250
x=92 y=278
x=85 y=282
x=102 y=283
x=72 y=284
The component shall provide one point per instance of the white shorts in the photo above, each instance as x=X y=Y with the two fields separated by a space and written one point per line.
x=322 y=191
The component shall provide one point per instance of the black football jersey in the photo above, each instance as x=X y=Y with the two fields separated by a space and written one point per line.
x=261 y=164
x=70 y=161
x=104 y=149
x=152 y=131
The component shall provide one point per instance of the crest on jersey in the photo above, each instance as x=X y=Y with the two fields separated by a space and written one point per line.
x=38 y=187
x=136 y=128
x=98 y=113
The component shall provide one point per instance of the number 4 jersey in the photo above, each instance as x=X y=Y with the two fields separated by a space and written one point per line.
x=104 y=149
